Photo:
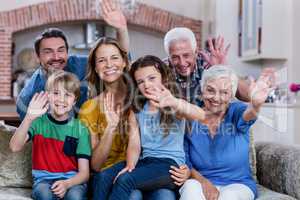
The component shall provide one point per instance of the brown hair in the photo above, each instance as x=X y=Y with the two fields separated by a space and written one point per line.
x=96 y=82
x=168 y=80
x=92 y=77
x=69 y=81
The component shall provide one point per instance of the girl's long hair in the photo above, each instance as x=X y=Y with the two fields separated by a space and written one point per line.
x=97 y=85
x=167 y=117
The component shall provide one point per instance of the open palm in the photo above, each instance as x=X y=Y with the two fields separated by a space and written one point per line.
x=38 y=105
x=112 y=14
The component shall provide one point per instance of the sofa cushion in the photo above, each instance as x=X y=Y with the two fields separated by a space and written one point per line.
x=267 y=194
x=278 y=167
x=15 y=168
x=15 y=193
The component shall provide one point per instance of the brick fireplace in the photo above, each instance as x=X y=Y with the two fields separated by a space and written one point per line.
x=63 y=11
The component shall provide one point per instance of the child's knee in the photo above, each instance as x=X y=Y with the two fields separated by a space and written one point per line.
x=77 y=192
x=42 y=191
x=125 y=179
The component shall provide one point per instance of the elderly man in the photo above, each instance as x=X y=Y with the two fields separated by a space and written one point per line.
x=188 y=64
x=51 y=48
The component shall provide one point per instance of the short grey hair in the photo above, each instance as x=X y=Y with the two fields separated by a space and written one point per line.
x=218 y=71
x=179 y=33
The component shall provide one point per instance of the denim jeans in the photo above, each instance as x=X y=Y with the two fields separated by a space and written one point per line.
x=42 y=191
x=150 y=174
x=102 y=183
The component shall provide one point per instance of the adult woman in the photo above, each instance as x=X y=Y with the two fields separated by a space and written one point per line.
x=217 y=149
x=105 y=114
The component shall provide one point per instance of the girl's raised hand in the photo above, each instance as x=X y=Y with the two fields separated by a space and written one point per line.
x=161 y=97
x=38 y=105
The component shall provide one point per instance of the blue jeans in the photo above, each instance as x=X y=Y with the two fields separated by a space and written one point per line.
x=42 y=191
x=102 y=183
x=159 y=194
x=150 y=174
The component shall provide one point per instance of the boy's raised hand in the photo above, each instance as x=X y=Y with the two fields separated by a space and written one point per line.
x=38 y=105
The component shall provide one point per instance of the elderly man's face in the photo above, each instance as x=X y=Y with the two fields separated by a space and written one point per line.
x=217 y=94
x=182 y=57
x=53 y=54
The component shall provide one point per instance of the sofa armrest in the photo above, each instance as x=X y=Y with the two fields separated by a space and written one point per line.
x=278 y=167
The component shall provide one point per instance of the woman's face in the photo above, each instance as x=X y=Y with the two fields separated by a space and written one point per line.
x=147 y=79
x=109 y=63
x=217 y=94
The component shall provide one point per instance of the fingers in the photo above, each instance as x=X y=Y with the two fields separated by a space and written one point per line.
x=120 y=173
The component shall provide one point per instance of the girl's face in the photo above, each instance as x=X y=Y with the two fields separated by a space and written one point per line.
x=217 y=94
x=148 y=79
x=109 y=63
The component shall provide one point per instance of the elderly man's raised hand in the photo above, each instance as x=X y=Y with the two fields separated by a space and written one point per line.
x=217 y=52
x=112 y=14
x=38 y=105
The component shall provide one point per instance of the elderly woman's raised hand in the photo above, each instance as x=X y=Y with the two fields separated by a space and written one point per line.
x=112 y=14
x=217 y=52
x=260 y=89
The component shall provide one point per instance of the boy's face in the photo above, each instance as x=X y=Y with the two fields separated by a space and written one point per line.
x=61 y=102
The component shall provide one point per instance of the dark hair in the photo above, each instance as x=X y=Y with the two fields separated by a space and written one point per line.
x=168 y=80
x=49 y=33
x=95 y=82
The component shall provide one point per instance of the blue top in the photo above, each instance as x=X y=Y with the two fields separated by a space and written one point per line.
x=154 y=141
x=37 y=82
x=224 y=159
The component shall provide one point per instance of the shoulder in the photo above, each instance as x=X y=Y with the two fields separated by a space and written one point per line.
x=91 y=105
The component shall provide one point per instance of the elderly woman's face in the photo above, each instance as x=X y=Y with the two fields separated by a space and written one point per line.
x=217 y=94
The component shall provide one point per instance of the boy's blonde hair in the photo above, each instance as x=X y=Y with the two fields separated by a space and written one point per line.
x=68 y=80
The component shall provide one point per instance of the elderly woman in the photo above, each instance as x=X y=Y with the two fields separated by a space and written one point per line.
x=217 y=149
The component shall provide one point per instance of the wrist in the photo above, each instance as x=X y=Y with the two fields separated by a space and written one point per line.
x=29 y=118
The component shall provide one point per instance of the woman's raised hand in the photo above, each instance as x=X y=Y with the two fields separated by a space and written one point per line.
x=112 y=112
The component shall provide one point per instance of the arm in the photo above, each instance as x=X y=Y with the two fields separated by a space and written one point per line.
x=103 y=145
x=161 y=97
x=134 y=144
x=60 y=187
x=113 y=15
x=258 y=92
x=37 y=107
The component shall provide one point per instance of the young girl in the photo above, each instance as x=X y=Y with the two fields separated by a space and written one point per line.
x=156 y=128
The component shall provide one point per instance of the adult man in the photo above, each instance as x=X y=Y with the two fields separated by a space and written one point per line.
x=181 y=47
x=51 y=48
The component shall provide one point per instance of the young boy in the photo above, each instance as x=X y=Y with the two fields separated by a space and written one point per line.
x=61 y=144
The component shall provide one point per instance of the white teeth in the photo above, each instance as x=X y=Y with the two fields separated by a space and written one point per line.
x=110 y=72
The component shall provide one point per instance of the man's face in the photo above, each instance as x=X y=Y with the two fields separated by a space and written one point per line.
x=53 y=54
x=182 y=57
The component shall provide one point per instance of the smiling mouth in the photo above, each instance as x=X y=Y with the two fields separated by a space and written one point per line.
x=110 y=72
